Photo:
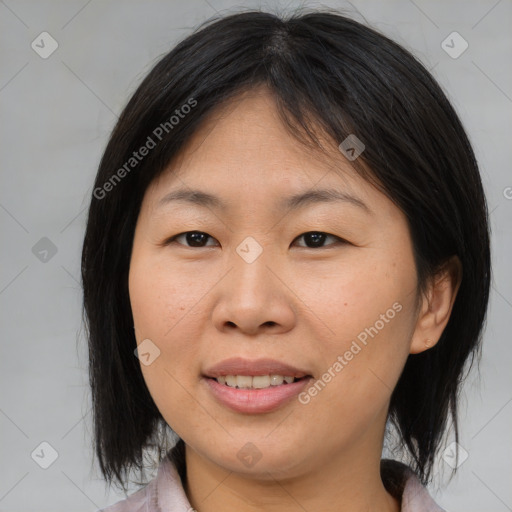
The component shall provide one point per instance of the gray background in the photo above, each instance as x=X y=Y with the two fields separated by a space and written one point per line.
x=56 y=116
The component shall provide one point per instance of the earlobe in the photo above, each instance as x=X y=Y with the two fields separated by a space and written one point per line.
x=437 y=306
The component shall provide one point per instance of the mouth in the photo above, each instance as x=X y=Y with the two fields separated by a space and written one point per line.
x=257 y=386
x=244 y=369
x=257 y=381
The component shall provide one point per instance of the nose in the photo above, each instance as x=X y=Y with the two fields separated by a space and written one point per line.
x=254 y=298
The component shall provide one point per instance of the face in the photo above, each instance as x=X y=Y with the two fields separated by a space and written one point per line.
x=323 y=287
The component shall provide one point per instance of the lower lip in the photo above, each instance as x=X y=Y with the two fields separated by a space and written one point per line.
x=254 y=401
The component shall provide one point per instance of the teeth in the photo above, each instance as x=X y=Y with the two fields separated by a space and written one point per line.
x=231 y=381
x=257 y=382
x=243 y=381
x=260 y=381
x=276 y=380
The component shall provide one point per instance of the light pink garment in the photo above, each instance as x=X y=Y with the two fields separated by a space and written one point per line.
x=165 y=493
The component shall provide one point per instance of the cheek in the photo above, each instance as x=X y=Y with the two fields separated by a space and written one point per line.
x=370 y=313
x=352 y=391
x=158 y=306
x=162 y=305
x=369 y=297
x=160 y=297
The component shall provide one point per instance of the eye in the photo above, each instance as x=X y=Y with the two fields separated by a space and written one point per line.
x=194 y=238
x=316 y=239
x=313 y=239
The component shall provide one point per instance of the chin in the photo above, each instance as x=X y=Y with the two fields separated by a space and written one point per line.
x=260 y=459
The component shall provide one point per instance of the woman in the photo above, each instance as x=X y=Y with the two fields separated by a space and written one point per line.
x=286 y=258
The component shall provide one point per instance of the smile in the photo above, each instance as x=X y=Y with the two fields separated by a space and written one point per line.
x=251 y=399
x=254 y=382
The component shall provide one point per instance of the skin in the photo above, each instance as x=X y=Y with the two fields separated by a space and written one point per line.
x=297 y=303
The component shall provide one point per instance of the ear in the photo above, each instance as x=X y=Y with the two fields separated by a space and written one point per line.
x=436 y=306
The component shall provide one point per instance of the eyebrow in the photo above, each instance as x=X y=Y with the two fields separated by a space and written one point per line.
x=297 y=201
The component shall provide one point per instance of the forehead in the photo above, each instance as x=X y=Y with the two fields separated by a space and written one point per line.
x=244 y=144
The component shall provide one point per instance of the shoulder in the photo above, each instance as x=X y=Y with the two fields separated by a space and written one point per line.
x=403 y=484
x=164 y=492
x=136 y=502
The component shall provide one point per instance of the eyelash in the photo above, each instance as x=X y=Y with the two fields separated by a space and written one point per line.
x=338 y=239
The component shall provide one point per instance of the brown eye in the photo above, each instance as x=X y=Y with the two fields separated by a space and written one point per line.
x=198 y=239
x=192 y=239
x=316 y=239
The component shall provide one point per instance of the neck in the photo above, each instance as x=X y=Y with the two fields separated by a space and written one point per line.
x=342 y=483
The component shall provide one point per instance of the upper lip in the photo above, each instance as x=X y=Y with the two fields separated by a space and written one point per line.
x=241 y=366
